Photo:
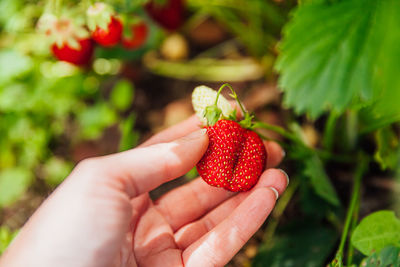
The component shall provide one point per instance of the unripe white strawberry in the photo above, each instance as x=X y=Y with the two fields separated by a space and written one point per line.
x=204 y=96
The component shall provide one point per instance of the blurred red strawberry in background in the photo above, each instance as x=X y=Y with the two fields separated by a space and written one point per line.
x=169 y=15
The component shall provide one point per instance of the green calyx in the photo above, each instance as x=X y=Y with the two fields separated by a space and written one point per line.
x=213 y=113
x=99 y=15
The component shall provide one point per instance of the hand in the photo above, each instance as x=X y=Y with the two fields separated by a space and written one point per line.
x=102 y=215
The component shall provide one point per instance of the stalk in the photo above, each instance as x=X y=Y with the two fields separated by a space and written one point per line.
x=276 y=129
x=280 y=208
x=57 y=7
x=350 y=248
x=359 y=172
x=233 y=95
x=329 y=131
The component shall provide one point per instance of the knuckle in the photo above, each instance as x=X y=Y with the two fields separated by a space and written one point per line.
x=89 y=165
x=167 y=159
x=276 y=173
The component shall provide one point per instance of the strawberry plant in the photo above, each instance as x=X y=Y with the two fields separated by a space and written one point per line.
x=336 y=63
x=106 y=28
x=169 y=14
x=80 y=55
x=75 y=77
x=136 y=35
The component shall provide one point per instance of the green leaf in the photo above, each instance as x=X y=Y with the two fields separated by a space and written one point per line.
x=56 y=170
x=384 y=109
x=12 y=65
x=301 y=246
x=376 y=231
x=334 y=55
x=212 y=113
x=190 y=175
x=314 y=170
x=6 y=236
x=389 y=256
x=129 y=137
x=95 y=119
x=311 y=204
x=122 y=95
x=387 y=148
x=13 y=183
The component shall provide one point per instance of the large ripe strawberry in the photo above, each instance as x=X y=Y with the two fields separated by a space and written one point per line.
x=169 y=14
x=236 y=156
x=78 y=56
x=138 y=36
x=111 y=35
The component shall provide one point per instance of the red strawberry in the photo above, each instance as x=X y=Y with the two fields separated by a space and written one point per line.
x=139 y=36
x=235 y=157
x=168 y=15
x=110 y=36
x=79 y=56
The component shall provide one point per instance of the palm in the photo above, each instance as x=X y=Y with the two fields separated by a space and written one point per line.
x=191 y=223
x=182 y=225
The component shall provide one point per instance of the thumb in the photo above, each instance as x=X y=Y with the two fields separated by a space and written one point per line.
x=143 y=169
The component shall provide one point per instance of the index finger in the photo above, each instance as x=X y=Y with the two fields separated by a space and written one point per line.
x=174 y=132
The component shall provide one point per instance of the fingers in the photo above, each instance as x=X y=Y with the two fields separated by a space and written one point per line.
x=219 y=245
x=140 y=170
x=190 y=202
x=152 y=236
x=275 y=153
x=274 y=150
x=188 y=234
x=177 y=131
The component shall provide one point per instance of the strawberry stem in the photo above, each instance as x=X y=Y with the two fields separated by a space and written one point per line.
x=57 y=7
x=247 y=117
x=233 y=95
x=276 y=129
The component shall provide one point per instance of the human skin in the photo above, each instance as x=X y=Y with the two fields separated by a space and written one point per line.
x=102 y=215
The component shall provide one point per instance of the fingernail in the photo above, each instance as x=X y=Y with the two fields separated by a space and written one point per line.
x=283 y=153
x=286 y=175
x=275 y=192
x=196 y=134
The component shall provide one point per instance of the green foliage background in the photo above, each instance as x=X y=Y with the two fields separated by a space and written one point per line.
x=337 y=63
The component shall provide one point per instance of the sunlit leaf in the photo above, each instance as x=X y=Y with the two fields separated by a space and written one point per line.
x=95 y=119
x=376 y=231
x=122 y=95
x=13 y=183
x=129 y=137
x=13 y=64
x=6 y=236
x=337 y=54
x=56 y=170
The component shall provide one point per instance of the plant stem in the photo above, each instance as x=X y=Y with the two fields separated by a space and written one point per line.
x=280 y=208
x=234 y=95
x=276 y=129
x=329 y=131
x=350 y=248
x=322 y=153
x=351 y=129
x=57 y=7
x=342 y=158
x=359 y=172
